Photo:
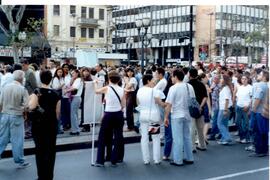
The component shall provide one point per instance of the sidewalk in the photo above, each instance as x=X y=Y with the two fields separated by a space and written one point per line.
x=66 y=142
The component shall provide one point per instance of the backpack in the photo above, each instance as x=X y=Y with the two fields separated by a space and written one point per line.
x=193 y=106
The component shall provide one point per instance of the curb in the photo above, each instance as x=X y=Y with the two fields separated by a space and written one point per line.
x=84 y=145
x=73 y=146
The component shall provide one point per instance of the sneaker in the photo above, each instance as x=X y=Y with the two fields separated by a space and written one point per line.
x=175 y=164
x=114 y=165
x=238 y=140
x=223 y=142
x=165 y=158
x=244 y=141
x=250 y=148
x=98 y=165
x=146 y=163
x=24 y=165
x=157 y=162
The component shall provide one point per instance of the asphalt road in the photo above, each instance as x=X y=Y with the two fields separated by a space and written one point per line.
x=218 y=162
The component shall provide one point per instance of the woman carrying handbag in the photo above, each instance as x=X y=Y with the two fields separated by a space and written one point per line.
x=148 y=100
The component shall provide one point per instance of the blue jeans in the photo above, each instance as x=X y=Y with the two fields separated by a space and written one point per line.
x=74 y=107
x=214 y=129
x=12 y=129
x=243 y=122
x=223 y=125
x=168 y=139
x=261 y=129
x=182 y=143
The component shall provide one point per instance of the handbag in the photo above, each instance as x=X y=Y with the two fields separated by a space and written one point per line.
x=37 y=114
x=153 y=129
x=150 y=115
x=193 y=106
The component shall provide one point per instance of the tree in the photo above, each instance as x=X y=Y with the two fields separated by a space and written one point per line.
x=13 y=31
x=38 y=38
x=261 y=33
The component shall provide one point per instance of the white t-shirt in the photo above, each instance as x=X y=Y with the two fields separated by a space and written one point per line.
x=112 y=102
x=78 y=84
x=243 y=95
x=178 y=98
x=67 y=80
x=37 y=75
x=144 y=96
x=224 y=94
x=57 y=83
x=161 y=85
x=6 y=79
x=134 y=83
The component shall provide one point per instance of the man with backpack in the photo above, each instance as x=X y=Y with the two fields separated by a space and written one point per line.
x=201 y=97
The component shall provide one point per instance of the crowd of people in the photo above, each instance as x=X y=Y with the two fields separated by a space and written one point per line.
x=160 y=95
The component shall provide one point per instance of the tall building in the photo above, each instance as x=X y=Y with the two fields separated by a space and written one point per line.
x=78 y=27
x=217 y=31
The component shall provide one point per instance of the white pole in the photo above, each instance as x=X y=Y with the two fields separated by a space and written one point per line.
x=93 y=132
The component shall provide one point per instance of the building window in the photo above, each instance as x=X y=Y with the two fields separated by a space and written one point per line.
x=73 y=10
x=91 y=13
x=72 y=31
x=91 y=33
x=56 y=30
x=101 y=14
x=83 y=12
x=83 y=32
x=56 y=10
x=101 y=33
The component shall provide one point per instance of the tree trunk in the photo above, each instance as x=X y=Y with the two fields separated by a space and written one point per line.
x=16 y=54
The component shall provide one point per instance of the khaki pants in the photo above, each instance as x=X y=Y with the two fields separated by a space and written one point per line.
x=197 y=125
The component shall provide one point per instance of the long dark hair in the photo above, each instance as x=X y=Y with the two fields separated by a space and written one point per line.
x=55 y=74
x=88 y=78
x=227 y=82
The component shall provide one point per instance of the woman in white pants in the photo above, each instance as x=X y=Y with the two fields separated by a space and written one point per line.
x=148 y=100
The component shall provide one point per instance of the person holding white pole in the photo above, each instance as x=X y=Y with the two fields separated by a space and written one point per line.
x=112 y=122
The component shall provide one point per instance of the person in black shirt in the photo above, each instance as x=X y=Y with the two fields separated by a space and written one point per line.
x=44 y=128
x=201 y=97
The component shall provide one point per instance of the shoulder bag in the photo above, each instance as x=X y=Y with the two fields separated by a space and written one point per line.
x=193 y=106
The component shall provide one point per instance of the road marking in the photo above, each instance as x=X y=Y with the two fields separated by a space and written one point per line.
x=238 y=174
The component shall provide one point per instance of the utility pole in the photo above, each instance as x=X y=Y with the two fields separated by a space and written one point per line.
x=190 y=54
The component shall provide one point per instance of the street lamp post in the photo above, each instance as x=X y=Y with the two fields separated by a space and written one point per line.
x=73 y=39
x=143 y=37
x=237 y=45
x=129 y=41
x=22 y=37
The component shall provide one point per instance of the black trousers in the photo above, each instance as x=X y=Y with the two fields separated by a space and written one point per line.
x=45 y=150
x=111 y=133
x=130 y=97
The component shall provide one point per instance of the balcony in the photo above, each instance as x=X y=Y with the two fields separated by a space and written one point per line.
x=86 y=22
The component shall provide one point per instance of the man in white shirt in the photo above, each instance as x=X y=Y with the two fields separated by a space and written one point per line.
x=160 y=86
x=100 y=73
x=243 y=104
x=177 y=104
x=162 y=82
x=52 y=66
x=8 y=77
